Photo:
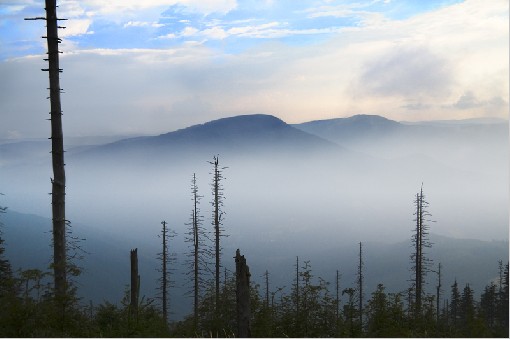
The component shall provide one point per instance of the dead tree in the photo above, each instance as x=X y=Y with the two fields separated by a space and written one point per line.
x=297 y=291
x=135 y=284
x=217 y=204
x=360 y=287
x=200 y=253
x=57 y=150
x=337 y=302
x=421 y=264
x=164 y=273
x=266 y=276
x=166 y=258
x=242 y=296
x=438 y=292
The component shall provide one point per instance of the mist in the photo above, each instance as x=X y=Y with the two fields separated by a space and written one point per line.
x=288 y=193
x=277 y=194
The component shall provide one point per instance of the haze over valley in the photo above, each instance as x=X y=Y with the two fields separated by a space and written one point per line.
x=313 y=190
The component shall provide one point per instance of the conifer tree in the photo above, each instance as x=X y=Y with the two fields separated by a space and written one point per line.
x=467 y=311
x=454 y=305
x=503 y=301
x=489 y=305
x=217 y=204
x=166 y=259
x=420 y=262
x=360 y=286
x=6 y=278
x=297 y=295
x=350 y=312
x=438 y=292
x=199 y=254
x=337 y=303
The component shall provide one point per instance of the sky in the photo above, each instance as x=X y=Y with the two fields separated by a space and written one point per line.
x=154 y=66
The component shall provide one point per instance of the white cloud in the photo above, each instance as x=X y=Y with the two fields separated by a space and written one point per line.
x=131 y=6
x=411 y=72
x=449 y=63
x=142 y=24
x=215 y=33
x=189 y=31
x=75 y=27
x=256 y=31
x=210 y=6
x=167 y=36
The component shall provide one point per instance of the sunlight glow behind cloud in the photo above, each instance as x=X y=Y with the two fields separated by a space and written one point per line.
x=185 y=62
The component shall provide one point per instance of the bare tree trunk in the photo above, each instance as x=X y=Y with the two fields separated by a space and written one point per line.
x=243 y=296
x=418 y=259
x=197 y=261
x=360 y=287
x=164 y=274
x=297 y=291
x=337 y=302
x=196 y=251
x=135 y=283
x=421 y=264
x=438 y=292
x=267 y=288
x=217 y=221
x=217 y=230
x=57 y=151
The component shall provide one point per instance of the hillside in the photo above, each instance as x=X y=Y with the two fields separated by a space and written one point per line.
x=228 y=136
x=106 y=263
x=356 y=127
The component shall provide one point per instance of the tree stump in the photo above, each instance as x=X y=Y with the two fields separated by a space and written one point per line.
x=242 y=296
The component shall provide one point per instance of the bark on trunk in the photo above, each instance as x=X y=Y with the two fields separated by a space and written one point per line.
x=242 y=296
x=57 y=151
x=135 y=283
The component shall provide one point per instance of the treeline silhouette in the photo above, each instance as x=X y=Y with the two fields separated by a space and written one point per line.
x=310 y=307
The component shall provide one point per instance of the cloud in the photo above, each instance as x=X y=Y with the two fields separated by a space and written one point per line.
x=75 y=27
x=131 y=6
x=215 y=33
x=210 y=6
x=142 y=24
x=408 y=72
x=189 y=31
x=428 y=66
x=416 y=106
x=468 y=101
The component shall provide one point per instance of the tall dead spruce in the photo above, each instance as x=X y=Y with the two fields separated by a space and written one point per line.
x=166 y=259
x=421 y=264
x=135 y=284
x=57 y=150
x=199 y=253
x=360 y=286
x=217 y=204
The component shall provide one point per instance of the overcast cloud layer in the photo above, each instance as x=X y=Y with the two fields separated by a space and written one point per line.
x=155 y=66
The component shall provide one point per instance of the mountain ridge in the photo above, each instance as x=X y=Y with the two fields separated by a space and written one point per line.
x=243 y=134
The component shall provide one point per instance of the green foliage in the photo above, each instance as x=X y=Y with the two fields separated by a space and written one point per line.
x=113 y=321
x=6 y=278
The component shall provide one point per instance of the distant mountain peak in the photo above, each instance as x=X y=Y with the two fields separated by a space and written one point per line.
x=234 y=135
x=355 y=127
x=238 y=123
x=368 y=119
